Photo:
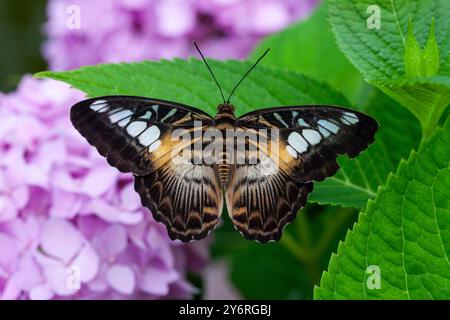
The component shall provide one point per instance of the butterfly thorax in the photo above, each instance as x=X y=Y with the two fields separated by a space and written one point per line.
x=225 y=114
x=224 y=120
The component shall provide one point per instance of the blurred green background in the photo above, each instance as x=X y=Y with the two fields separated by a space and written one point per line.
x=21 y=34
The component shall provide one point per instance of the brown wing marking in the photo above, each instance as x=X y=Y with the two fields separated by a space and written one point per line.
x=262 y=199
x=186 y=198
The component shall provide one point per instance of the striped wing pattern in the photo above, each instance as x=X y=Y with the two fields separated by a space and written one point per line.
x=187 y=198
x=261 y=205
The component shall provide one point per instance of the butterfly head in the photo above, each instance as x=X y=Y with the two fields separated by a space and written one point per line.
x=225 y=108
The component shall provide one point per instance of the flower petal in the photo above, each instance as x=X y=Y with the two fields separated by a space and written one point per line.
x=121 y=278
x=156 y=281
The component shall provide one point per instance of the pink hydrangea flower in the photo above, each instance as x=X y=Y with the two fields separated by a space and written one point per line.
x=129 y=30
x=67 y=217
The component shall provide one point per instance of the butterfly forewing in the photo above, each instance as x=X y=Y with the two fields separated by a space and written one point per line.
x=133 y=132
x=311 y=137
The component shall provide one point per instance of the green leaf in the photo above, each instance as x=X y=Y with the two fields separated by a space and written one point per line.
x=430 y=55
x=426 y=98
x=310 y=48
x=379 y=53
x=413 y=54
x=358 y=179
x=405 y=232
x=421 y=63
x=189 y=82
x=399 y=129
x=391 y=58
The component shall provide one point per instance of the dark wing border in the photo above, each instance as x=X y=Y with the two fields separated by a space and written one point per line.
x=146 y=99
x=293 y=108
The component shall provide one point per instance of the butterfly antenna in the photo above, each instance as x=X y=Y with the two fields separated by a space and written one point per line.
x=246 y=74
x=209 y=68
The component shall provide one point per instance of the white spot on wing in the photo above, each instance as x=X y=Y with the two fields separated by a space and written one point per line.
x=349 y=119
x=169 y=114
x=297 y=142
x=99 y=106
x=331 y=127
x=122 y=116
x=123 y=122
x=149 y=136
x=291 y=152
x=350 y=114
x=135 y=128
x=146 y=116
x=302 y=122
x=280 y=119
x=345 y=121
x=312 y=136
x=324 y=132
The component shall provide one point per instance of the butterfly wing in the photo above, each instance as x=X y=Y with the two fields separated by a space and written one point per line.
x=260 y=204
x=133 y=132
x=139 y=135
x=311 y=137
x=264 y=196
x=187 y=198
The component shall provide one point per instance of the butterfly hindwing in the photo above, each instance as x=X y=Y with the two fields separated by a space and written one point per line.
x=130 y=131
x=311 y=137
x=185 y=196
x=261 y=204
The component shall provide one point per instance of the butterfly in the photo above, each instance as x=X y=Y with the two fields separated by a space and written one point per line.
x=263 y=182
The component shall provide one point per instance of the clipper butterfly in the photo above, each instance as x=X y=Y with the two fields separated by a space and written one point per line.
x=263 y=181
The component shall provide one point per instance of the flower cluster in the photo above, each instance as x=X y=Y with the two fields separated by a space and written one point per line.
x=69 y=223
x=127 y=30
x=71 y=226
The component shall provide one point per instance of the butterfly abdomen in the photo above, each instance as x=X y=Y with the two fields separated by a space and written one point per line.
x=225 y=165
x=224 y=121
x=224 y=174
